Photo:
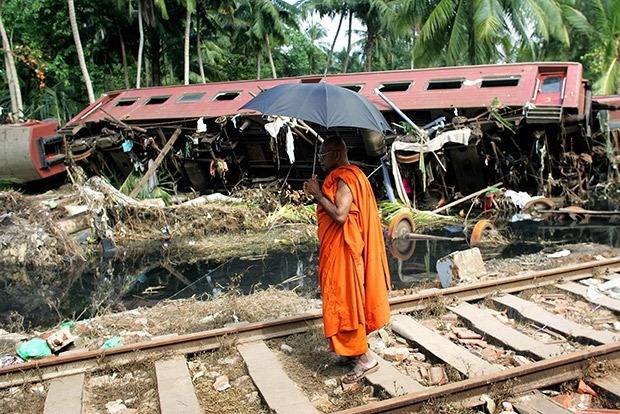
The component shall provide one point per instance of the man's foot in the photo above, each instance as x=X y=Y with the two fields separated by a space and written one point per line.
x=365 y=364
x=342 y=360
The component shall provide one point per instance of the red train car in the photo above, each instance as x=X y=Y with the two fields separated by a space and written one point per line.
x=31 y=151
x=532 y=126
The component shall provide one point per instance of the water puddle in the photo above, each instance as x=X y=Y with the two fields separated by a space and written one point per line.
x=43 y=298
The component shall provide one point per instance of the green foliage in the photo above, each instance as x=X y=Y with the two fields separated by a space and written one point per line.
x=9 y=183
x=290 y=213
x=422 y=219
x=302 y=58
x=55 y=102
x=495 y=111
x=132 y=181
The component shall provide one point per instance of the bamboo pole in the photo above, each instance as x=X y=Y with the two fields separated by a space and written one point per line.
x=156 y=163
x=461 y=200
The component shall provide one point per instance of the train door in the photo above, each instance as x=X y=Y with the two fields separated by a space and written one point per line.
x=550 y=88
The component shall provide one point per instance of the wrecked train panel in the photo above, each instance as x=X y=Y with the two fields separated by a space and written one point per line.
x=530 y=127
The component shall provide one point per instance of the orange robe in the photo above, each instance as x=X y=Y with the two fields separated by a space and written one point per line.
x=353 y=269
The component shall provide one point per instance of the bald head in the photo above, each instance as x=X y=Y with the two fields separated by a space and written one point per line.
x=333 y=153
x=334 y=143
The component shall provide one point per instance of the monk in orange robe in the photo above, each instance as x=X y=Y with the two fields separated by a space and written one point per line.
x=353 y=271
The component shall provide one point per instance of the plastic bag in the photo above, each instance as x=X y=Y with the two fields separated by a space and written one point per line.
x=34 y=348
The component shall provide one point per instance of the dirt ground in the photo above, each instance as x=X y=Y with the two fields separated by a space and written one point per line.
x=32 y=236
x=45 y=231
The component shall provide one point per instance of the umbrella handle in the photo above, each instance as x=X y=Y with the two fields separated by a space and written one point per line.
x=316 y=148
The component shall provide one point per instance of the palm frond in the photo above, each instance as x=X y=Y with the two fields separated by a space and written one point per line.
x=422 y=219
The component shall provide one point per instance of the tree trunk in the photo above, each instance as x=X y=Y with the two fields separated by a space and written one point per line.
x=124 y=57
x=331 y=50
x=368 y=51
x=140 y=46
x=199 y=51
x=188 y=22
x=11 y=74
x=80 y=52
x=345 y=65
x=273 y=66
x=258 y=65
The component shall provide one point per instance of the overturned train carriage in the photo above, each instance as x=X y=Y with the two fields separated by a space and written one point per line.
x=533 y=127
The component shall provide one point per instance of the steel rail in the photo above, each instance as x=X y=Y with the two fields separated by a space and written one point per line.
x=479 y=290
x=82 y=361
x=525 y=378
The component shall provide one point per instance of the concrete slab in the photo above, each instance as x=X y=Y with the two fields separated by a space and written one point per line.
x=392 y=380
x=175 y=387
x=461 y=359
x=533 y=312
x=483 y=322
x=65 y=395
x=277 y=389
x=581 y=290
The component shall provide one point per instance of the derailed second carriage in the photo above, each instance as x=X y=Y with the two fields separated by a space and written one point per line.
x=534 y=127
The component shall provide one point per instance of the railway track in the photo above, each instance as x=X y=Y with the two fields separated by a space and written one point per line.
x=177 y=368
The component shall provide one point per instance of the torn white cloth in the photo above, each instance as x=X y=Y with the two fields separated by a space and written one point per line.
x=274 y=127
x=459 y=136
x=290 y=145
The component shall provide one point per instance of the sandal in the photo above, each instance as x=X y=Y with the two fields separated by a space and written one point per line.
x=359 y=371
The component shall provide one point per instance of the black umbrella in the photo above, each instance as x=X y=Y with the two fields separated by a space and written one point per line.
x=321 y=103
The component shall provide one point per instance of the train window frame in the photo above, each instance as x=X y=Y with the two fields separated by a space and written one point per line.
x=191 y=97
x=226 y=96
x=353 y=87
x=395 y=86
x=501 y=82
x=445 y=84
x=157 y=100
x=126 y=102
x=557 y=85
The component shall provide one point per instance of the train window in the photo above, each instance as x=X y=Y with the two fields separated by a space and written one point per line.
x=191 y=97
x=551 y=84
x=354 y=88
x=157 y=100
x=499 y=82
x=444 y=84
x=226 y=96
x=126 y=102
x=395 y=86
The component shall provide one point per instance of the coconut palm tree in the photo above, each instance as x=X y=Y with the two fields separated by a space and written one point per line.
x=377 y=16
x=17 y=107
x=146 y=15
x=605 y=18
x=457 y=32
x=266 y=21
x=190 y=7
x=80 y=52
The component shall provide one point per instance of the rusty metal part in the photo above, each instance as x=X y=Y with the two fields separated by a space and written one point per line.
x=538 y=207
x=400 y=226
x=568 y=210
x=481 y=227
x=404 y=304
x=521 y=379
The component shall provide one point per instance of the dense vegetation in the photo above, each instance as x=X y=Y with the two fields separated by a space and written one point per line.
x=67 y=54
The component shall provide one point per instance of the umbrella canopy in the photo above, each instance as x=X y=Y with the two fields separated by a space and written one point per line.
x=321 y=103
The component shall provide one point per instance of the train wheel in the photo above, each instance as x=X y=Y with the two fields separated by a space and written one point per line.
x=481 y=228
x=577 y=213
x=535 y=207
x=399 y=246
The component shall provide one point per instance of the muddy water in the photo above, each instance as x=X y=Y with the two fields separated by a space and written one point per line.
x=44 y=299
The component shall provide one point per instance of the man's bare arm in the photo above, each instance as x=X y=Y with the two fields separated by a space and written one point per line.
x=339 y=209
